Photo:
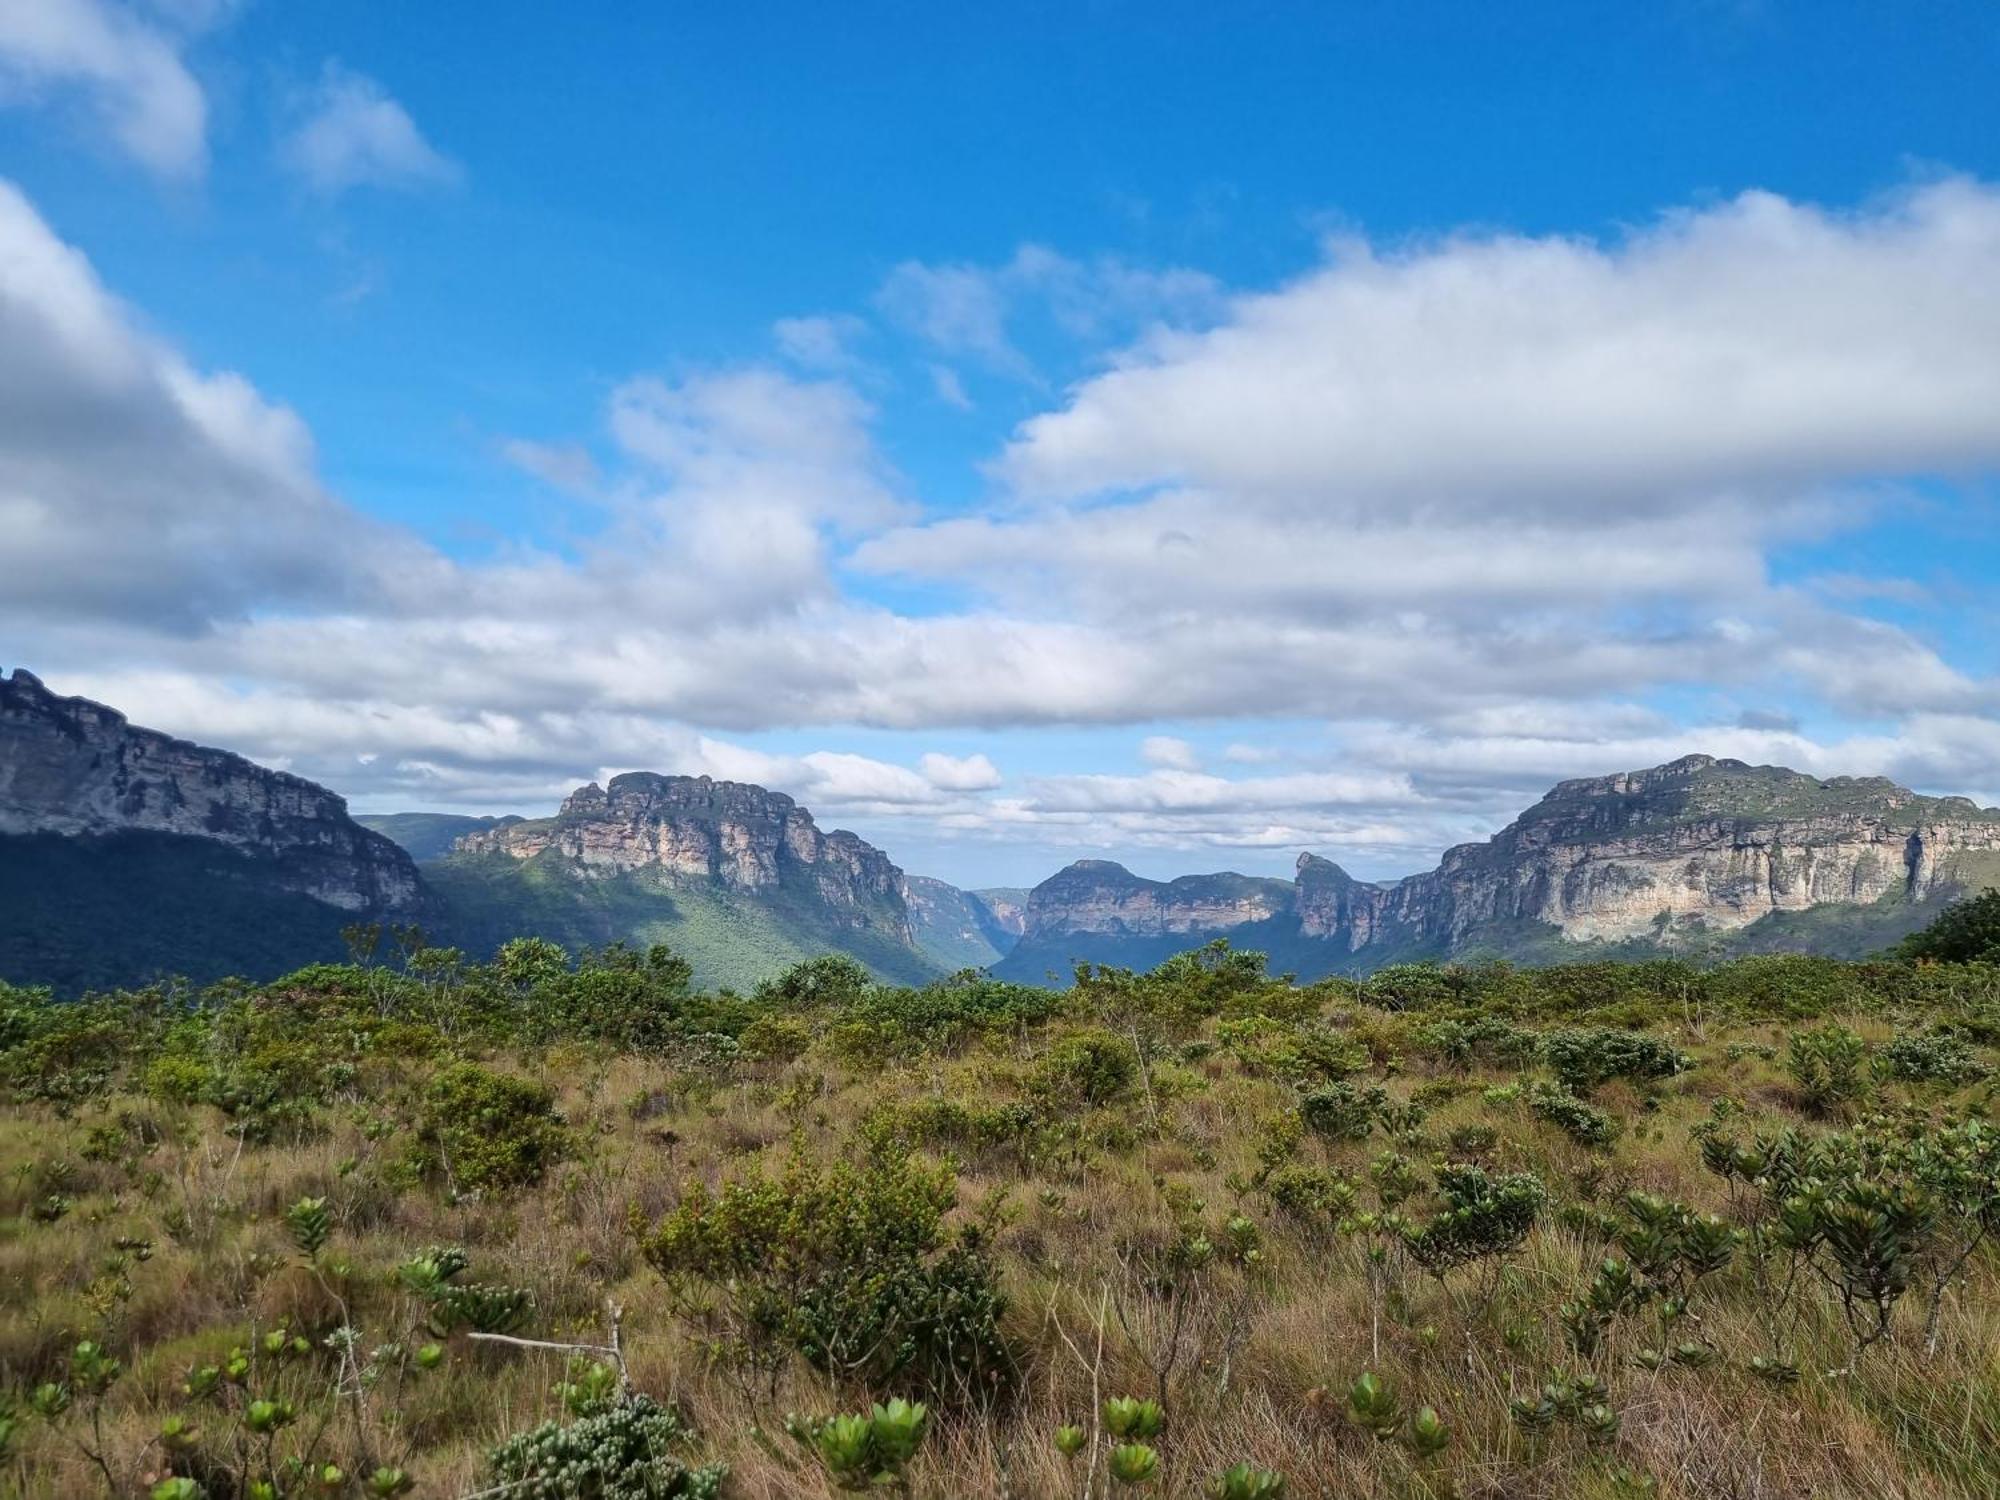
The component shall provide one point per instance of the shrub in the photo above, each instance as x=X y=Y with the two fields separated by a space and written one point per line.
x=1483 y=1216
x=1085 y=1067
x=1486 y=1039
x=483 y=1130
x=1583 y=1059
x=834 y=980
x=1583 y=1123
x=1825 y=1063
x=1932 y=1058
x=1965 y=932
x=617 y=1450
x=864 y=1451
x=847 y=1266
x=1343 y=1111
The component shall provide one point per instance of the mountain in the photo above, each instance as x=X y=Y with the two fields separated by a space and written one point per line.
x=126 y=854
x=957 y=929
x=426 y=835
x=1701 y=856
x=737 y=878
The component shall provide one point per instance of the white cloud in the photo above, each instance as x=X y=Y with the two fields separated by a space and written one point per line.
x=1165 y=751
x=126 y=71
x=953 y=773
x=1755 y=342
x=961 y=310
x=355 y=134
x=136 y=489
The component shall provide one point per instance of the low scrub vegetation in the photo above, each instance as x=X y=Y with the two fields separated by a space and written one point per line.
x=566 y=1226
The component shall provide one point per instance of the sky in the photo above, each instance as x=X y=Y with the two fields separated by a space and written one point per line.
x=1180 y=434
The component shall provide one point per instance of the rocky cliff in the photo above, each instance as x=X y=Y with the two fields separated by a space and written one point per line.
x=1696 y=850
x=76 y=769
x=1713 y=844
x=701 y=832
x=1096 y=895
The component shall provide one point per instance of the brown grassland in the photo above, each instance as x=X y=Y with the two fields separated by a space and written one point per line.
x=278 y=1220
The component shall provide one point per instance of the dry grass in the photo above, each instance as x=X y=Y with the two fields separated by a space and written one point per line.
x=1262 y=1377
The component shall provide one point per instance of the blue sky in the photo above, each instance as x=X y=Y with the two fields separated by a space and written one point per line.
x=1183 y=434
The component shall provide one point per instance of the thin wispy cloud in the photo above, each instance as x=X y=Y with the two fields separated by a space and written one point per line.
x=354 y=134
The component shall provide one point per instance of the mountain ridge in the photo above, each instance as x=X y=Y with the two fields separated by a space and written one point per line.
x=127 y=855
x=1695 y=854
x=737 y=876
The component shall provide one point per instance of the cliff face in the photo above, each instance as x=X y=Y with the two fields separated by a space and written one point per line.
x=1095 y=895
x=1700 y=840
x=72 y=767
x=1714 y=845
x=690 y=828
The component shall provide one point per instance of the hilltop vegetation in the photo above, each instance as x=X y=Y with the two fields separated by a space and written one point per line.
x=571 y=1225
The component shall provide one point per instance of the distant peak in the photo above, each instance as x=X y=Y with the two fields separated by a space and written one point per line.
x=1319 y=866
x=1688 y=764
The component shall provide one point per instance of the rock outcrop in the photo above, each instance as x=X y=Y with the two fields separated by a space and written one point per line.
x=1697 y=846
x=75 y=768
x=730 y=834
x=1096 y=895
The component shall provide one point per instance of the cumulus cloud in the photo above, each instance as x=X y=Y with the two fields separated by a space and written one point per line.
x=354 y=134
x=136 y=489
x=959 y=773
x=123 y=67
x=1758 y=341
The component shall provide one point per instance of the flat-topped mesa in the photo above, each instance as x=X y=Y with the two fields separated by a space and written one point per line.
x=1700 y=839
x=1097 y=895
x=695 y=828
x=72 y=767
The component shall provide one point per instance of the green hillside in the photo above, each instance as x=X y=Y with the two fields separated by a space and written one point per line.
x=120 y=910
x=732 y=940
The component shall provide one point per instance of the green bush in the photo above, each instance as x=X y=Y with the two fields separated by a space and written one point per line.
x=1826 y=1064
x=1963 y=933
x=1584 y=1123
x=1483 y=1216
x=1085 y=1068
x=850 y=1267
x=484 y=1131
x=1931 y=1058
x=1344 y=1111
x=1583 y=1059
x=617 y=1450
